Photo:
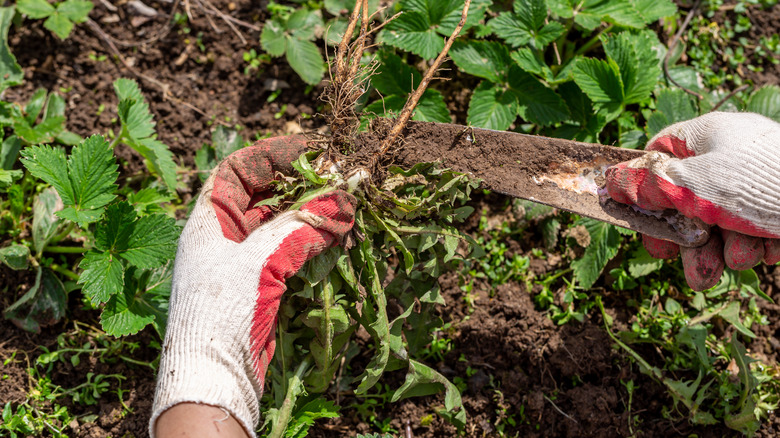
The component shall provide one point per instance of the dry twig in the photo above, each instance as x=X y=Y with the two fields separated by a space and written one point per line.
x=729 y=96
x=411 y=103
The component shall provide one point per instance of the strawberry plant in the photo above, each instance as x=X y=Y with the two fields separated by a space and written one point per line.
x=60 y=17
x=127 y=243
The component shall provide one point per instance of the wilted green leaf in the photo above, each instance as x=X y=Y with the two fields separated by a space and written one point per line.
x=15 y=256
x=419 y=377
x=45 y=222
x=226 y=141
x=44 y=304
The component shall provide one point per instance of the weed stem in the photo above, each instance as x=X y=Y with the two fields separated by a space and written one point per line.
x=294 y=388
x=64 y=249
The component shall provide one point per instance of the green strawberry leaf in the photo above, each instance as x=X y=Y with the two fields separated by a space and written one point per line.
x=44 y=132
x=273 y=38
x=81 y=217
x=125 y=315
x=536 y=103
x=133 y=111
x=92 y=171
x=601 y=82
x=339 y=7
x=159 y=159
x=638 y=65
x=304 y=57
x=394 y=76
x=59 y=24
x=304 y=24
x=528 y=61
x=50 y=165
x=35 y=9
x=86 y=182
x=138 y=131
x=766 y=101
x=527 y=25
x=492 y=107
x=102 y=276
x=413 y=32
x=10 y=71
x=113 y=233
x=35 y=105
x=485 y=59
x=672 y=105
x=152 y=241
x=432 y=108
x=653 y=10
x=75 y=10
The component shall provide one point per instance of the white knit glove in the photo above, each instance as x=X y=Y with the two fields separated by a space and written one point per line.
x=727 y=173
x=231 y=265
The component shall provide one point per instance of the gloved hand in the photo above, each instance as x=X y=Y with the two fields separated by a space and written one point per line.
x=723 y=168
x=231 y=265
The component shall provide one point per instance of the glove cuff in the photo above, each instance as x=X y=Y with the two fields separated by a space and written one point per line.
x=208 y=380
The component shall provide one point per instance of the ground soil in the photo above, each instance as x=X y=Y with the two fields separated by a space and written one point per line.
x=554 y=381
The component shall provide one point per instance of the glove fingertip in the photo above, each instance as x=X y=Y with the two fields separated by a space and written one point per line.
x=660 y=249
x=742 y=251
x=771 y=251
x=621 y=183
x=336 y=211
x=671 y=145
x=704 y=265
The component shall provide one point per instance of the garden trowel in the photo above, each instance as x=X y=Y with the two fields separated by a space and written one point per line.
x=560 y=173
